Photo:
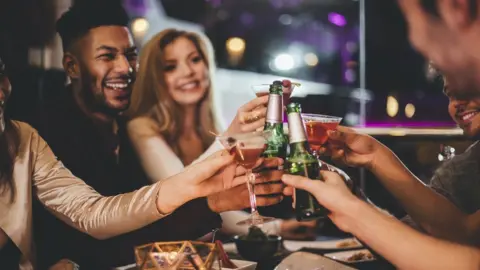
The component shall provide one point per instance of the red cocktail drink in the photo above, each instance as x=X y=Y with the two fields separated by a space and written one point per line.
x=316 y=126
x=247 y=157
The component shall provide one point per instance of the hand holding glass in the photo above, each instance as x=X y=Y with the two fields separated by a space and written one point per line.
x=247 y=148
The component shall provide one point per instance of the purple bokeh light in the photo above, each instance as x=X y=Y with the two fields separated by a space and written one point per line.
x=247 y=18
x=337 y=19
x=137 y=7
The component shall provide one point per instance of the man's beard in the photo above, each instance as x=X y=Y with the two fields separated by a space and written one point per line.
x=96 y=101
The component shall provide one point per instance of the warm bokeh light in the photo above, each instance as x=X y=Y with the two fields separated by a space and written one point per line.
x=236 y=45
x=409 y=110
x=310 y=59
x=140 y=25
x=392 y=106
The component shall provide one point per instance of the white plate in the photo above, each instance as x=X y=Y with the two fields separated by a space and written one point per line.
x=230 y=248
x=331 y=244
x=310 y=261
x=241 y=265
x=344 y=255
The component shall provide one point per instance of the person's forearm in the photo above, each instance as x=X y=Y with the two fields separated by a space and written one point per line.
x=432 y=211
x=403 y=246
x=172 y=194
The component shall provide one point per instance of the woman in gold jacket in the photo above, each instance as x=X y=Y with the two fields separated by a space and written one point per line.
x=28 y=168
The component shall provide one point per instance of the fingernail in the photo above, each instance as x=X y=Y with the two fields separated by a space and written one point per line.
x=331 y=132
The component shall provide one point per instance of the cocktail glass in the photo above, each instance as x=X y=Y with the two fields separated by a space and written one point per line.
x=247 y=148
x=316 y=127
x=261 y=90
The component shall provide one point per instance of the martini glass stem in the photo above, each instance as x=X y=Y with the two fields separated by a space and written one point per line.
x=251 y=178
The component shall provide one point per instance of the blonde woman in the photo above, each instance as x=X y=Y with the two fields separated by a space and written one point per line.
x=173 y=118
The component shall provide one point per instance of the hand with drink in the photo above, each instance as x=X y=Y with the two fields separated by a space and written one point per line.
x=218 y=176
x=272 y=142
x=247 y=148
x=268 y=189
x=250 y=116
x=354 y=149
x=332 y=193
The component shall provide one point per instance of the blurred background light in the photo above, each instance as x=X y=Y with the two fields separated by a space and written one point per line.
x=409 y=110
x=236 y=45
x=337 y=19
x=392 y=106
x=284 y=62
x=140 y=26
x=310 y=59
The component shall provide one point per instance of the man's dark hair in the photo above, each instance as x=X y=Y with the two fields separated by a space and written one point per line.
x=87 y=14
x=431 y=7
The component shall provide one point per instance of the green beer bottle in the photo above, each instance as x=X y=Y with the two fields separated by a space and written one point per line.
x=301 y=162
x=277 y=144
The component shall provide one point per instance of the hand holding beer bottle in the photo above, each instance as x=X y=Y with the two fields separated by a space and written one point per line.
x=332 y=193
x=303 y=163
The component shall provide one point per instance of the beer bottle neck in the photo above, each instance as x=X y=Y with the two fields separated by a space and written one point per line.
x=295 y=128
x=275 y=109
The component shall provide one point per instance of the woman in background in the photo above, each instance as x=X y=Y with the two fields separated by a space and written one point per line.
x=28 y=167
x=173 y=118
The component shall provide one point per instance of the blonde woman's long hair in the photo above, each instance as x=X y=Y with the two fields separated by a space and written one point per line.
x=151 y=98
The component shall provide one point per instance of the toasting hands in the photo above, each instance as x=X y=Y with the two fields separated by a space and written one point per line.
x=352 y=148
x=332 y=193
x=223 y=182
x=268 y=188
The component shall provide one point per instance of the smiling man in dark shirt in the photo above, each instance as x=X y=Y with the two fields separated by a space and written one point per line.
x=458 y=179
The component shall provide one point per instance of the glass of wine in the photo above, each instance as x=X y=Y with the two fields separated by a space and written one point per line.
x=247 y=148
x=316 y=127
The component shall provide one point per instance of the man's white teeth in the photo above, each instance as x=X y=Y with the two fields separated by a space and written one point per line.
x=117 y=85
x=469 y=116
x=189 y=86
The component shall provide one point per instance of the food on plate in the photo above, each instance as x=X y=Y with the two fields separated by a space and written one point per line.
x=360 y=256
x=349 y=243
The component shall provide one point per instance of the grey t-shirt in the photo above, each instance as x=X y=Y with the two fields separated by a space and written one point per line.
x=458 y=180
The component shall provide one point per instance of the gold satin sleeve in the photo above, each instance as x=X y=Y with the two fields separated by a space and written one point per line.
x=80 y=206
